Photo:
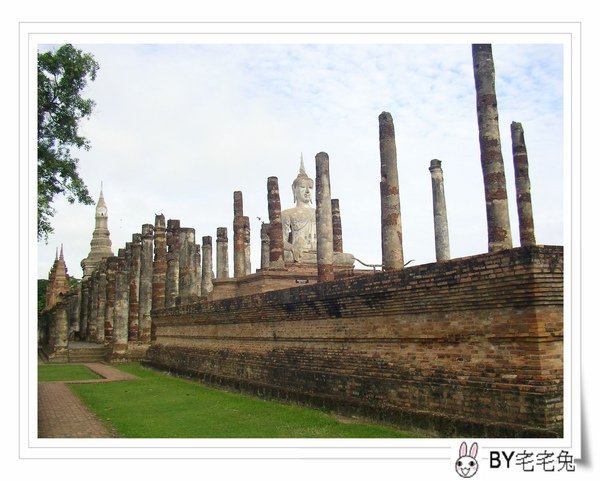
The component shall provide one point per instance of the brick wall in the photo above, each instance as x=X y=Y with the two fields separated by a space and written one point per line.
x=468 y=347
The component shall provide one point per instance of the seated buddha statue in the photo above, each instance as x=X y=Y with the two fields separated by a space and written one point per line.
x=300 y=226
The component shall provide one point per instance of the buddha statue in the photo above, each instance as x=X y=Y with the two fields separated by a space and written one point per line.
x=300 y=225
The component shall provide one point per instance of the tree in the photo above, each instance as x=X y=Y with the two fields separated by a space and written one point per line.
x=62 y=75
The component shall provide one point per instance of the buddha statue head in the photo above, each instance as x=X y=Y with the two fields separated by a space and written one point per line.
x=302 y=187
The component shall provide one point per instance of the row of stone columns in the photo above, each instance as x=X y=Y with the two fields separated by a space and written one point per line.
x=498 y=224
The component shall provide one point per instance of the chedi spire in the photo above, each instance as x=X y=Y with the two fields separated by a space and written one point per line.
x=100 y=243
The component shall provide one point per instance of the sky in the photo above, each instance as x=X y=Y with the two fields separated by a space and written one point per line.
x=178 y=128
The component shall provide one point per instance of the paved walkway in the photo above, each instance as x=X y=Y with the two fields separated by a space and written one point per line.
x=61 y=414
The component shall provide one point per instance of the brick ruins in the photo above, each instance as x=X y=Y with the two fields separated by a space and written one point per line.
x=460 y=347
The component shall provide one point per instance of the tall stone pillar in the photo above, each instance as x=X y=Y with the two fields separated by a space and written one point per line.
x=187 y=265
x=121 y=316
x=83 y=310
x=336 y=220
x=101 y=301
x=247 y=258
x=135 y=267
x=239 y=236
x=276 y=228
x=440 y=218
x=159 y=266
x=492 y=164
x=112 y=264
x=521 y=163
x=198 y=269
x=391 y=223
x=324 y=219
x=61 y=326
x=92 y=333
x=172 y=275
x=264 y=245
x=206 y=285
x=222 y=253
x=146 y=282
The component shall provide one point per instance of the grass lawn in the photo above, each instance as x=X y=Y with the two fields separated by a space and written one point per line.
x=162 y=406
x=65 y=372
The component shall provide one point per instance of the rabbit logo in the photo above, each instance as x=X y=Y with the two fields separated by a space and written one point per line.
x=466 y=465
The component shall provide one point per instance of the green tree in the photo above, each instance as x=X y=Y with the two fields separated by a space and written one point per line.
x=62 y=75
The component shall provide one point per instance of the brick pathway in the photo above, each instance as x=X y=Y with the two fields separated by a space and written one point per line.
x=61 y=414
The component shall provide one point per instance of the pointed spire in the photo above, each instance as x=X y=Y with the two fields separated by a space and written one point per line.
x=61 y=253
x=56 y=255
x=302 y=169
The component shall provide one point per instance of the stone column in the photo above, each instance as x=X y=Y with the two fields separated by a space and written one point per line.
x=206 y=285
x=135 y=265
x=492 y=164
x=187 y=265
x=264 y=245
x=159 y=266
x=198 y=269
x=336 y=221
x=247 y=259
x=172 y=275
x=324 y=219
x=76 y=319
x=61 y=326
x=83 y=310
x=239 y=236
x=145 y=318
x=222 y=253
x=121 y=316
x=92 y=333
x=521 y=163
x=391 y=223
x=440 y=218
x=276 y=228
x=101 y=301
x=112 y=264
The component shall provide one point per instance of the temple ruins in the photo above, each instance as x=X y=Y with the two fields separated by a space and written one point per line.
x=460 y=347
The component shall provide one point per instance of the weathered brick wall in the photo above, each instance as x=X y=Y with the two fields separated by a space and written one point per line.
x=471 y=346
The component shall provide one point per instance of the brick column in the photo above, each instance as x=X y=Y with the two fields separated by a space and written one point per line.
x=145 y=318
x=206 y=286
x=112 y=264
x=324 y=219
x=264 y=245
x=521 y=163
x=440 y=218
x=239 y=236
x=92 y=333
x=159 y=266
x=276 y=229
x=187 y=265
x=172 y=275
x=336 y=221
x=120 y=334
x=135 y=265
x=222 y=253
x=101 y=319
x=391 y=223
x=492 y=164
x=83 y=310
x=247 y=259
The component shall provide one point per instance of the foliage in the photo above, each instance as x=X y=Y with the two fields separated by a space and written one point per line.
x=62 y=75
x=42 y=288
x=162 y=406
x=65 y=372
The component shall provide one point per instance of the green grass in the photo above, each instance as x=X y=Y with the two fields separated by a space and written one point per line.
x=65 y=372
x=162 y=406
